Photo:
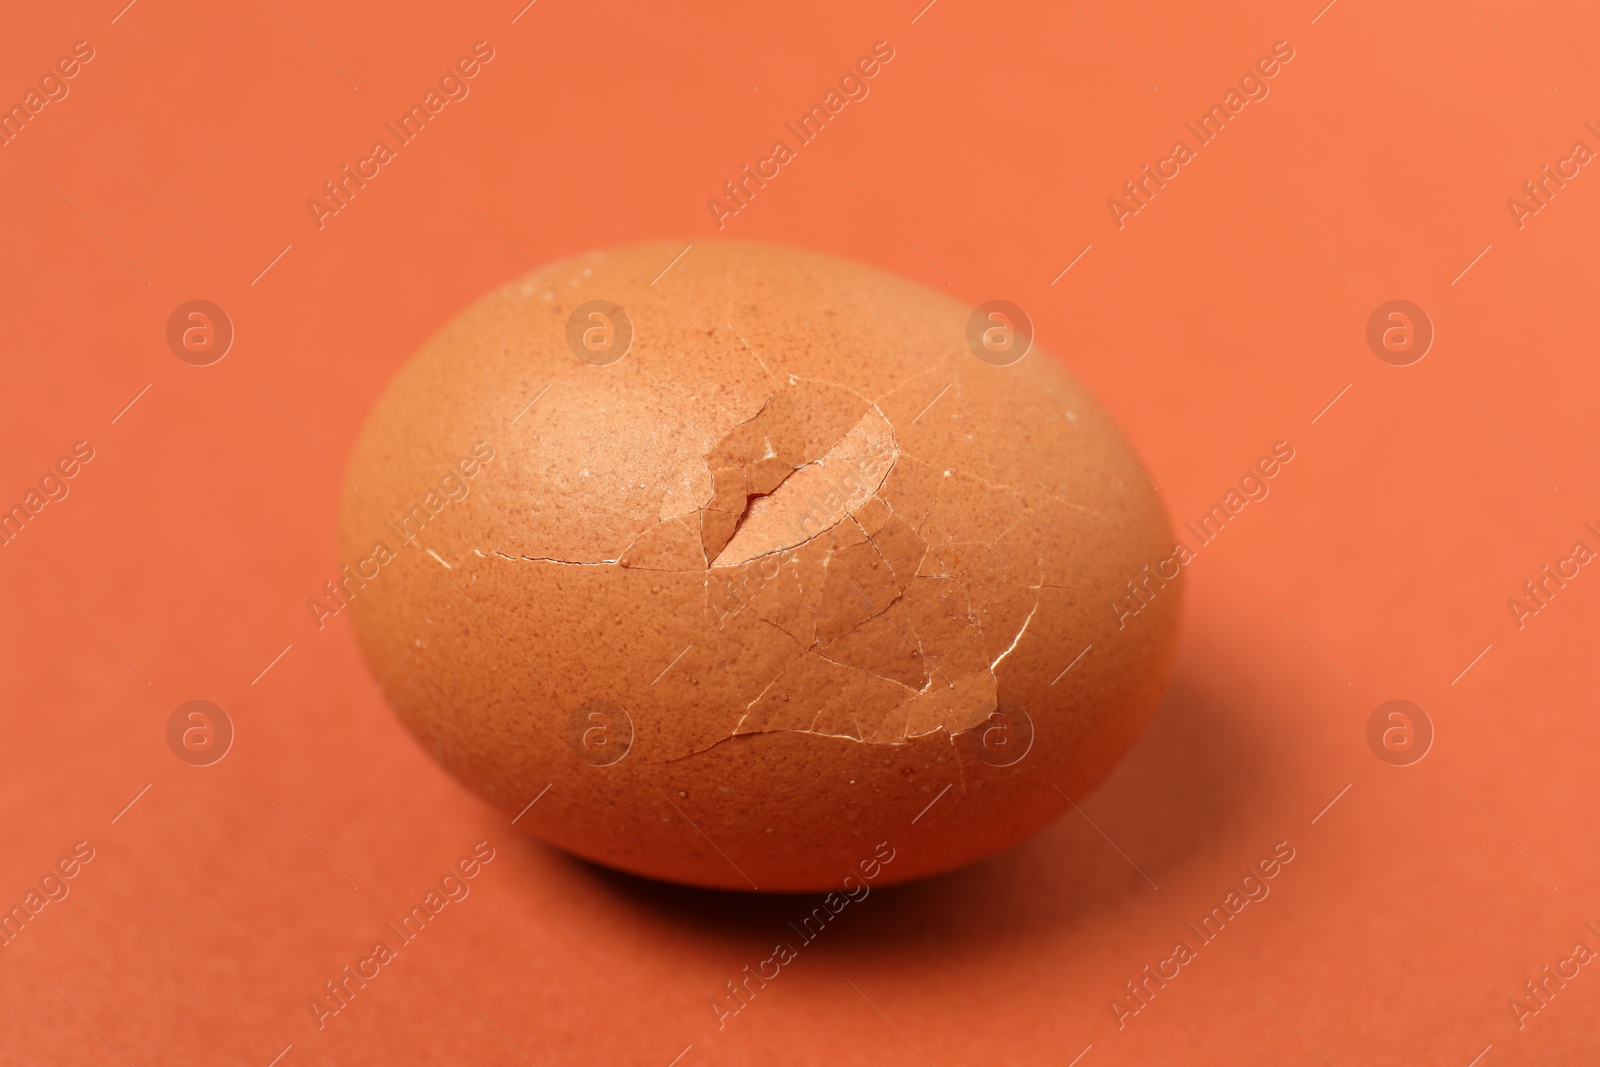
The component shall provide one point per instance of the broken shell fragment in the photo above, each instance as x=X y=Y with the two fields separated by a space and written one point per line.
x=792 y=577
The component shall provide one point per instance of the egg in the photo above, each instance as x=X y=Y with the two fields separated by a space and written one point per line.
x=753 y=568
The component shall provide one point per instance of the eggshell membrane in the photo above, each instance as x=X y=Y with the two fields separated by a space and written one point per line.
x=799 y=541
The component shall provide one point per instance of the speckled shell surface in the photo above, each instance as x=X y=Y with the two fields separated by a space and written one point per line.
x=794 y=575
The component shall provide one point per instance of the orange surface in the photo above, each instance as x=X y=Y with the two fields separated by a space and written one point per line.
x=1223 y=316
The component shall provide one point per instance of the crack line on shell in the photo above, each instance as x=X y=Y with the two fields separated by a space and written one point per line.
x=971 y=614
x=813 y=537
x=749 y=504
x=1013 y=646
x=901 y=453
x=818 y=733
x=751 y=350
x=894 y=443
x=971 y=618
x=750 y=501
x=546 y=559
x=916 y=647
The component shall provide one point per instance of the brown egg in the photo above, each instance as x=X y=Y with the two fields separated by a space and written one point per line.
x=752 y=573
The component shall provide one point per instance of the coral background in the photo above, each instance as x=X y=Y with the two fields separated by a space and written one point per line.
x=1211 y=324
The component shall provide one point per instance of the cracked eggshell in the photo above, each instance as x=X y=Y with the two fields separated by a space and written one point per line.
x=795 y=576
